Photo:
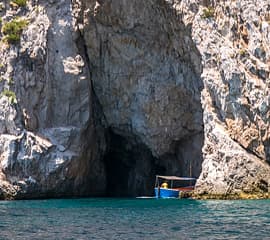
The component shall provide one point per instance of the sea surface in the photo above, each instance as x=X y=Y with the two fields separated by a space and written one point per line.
x=98 y=218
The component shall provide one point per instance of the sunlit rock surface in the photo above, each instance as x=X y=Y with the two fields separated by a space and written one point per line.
x=233 y=38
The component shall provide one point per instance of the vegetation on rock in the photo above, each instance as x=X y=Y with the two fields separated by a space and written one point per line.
x=20 y=3
x=13 y=29
x=243 y=52
x=10 y=95
x=208 y=12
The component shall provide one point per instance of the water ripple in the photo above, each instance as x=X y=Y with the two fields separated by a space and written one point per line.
x=134 y=219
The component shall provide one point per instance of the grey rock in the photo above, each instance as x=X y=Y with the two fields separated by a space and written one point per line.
x=111 y=93
x=235 y=96
x=145 y=71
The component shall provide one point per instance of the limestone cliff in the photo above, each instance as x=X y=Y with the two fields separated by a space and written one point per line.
x=99 y=96
x=233 y=38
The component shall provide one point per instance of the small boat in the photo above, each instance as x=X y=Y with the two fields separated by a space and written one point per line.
x=165 y=186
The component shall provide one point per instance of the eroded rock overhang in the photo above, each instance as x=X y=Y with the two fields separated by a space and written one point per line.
x=145 y=70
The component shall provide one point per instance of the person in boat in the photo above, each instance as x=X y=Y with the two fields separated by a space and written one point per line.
x=164 y=185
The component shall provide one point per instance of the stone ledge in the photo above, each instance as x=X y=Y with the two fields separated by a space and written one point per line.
x=236 y=196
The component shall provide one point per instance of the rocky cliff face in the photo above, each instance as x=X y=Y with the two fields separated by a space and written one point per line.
x=46 y=131
x=233 y=39
x=99 y=96
x=140 y=54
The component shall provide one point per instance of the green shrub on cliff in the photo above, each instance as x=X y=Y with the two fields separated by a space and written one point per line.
x=13 y=29
x=10 y=95
x=208 y=12
x=20 y=3
x=242 y=52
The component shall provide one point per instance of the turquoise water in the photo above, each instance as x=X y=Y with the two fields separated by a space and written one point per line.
x=134 y=219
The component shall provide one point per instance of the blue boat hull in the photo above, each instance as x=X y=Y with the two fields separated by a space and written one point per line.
x=166 y=193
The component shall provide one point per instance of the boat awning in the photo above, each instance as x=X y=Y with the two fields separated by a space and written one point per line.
x=175 y=178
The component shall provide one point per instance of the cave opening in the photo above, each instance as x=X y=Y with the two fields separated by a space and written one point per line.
x=131 y=167
x=150 y=96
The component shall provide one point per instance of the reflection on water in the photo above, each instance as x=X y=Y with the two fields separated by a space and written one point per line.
x=134 y=219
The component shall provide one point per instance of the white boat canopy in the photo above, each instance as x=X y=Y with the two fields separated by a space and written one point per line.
x=175 y=178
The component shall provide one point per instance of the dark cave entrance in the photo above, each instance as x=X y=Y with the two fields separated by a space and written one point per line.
x=131 y=168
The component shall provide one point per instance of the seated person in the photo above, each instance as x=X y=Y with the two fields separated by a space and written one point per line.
x=164 y=185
